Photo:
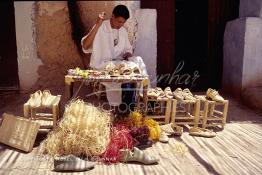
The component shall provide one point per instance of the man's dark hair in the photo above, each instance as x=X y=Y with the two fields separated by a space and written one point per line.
x=121 y=10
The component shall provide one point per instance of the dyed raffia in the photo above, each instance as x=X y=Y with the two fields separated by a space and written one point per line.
x=120 y=138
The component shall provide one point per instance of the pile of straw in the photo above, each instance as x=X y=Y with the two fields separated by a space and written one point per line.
x=84 y=130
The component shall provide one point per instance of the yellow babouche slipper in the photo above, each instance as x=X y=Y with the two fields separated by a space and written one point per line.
x=188 y=95
x=163 y=137
x=160 y=93
x=172 y=129
x=178 y=94
x=168 y=92
x=201 y=132
x=45 y=94
x=214 y=95
x=35 y=99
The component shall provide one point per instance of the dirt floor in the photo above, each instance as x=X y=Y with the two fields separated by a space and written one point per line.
x=235 y=150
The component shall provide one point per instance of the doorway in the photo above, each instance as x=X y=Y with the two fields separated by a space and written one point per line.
x=8 y=50
x=191 y=44
x=190 y=41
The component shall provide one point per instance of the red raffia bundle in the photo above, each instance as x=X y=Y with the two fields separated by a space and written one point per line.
x=120 y=138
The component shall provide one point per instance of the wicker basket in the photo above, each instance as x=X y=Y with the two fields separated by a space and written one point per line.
x=18 y=132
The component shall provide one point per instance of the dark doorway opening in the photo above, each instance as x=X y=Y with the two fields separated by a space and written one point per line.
x=190 y=41
x=8 y=50
x=191 y=44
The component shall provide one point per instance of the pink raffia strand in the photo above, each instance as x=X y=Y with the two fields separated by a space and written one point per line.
x=120 y=138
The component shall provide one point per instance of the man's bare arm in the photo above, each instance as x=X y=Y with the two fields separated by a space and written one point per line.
x=91 y=35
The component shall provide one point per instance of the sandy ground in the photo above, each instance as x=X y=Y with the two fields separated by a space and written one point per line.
x=235 y=150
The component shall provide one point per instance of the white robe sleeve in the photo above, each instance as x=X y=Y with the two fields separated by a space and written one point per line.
x=90 y=49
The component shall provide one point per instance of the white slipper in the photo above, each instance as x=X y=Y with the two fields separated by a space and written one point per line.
x=163 y=137
x=137 y=155
x=71 y=163
x=200 y=132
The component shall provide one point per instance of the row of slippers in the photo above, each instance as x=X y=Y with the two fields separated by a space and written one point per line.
x=121 y=69
x=179 y=94
x=75 y=164
x=41 y=99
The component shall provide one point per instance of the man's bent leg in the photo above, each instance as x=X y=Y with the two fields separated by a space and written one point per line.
x=128 y=98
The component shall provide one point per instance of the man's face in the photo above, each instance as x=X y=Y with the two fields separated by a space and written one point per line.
x=117 y=22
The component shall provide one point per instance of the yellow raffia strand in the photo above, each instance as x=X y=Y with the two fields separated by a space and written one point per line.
x=136 y=118
x=154 y=128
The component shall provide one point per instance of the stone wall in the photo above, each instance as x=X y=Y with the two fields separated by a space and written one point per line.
x=243 y=49
x=250 y=8
x=27 y=58
x=54 y=44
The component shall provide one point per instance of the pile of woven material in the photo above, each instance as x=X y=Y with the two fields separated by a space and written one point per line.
x=84 y=130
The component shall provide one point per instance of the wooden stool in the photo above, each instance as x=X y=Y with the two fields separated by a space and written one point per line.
x=212 y=113
x=161 y=113
x=47 y=120
x=185 y=112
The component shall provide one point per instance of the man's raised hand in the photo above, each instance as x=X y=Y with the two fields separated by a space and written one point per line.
x=100 y=18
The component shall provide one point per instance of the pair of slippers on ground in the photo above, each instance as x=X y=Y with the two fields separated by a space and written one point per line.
x=173 y=129
x=72 y=163
x=169 y=129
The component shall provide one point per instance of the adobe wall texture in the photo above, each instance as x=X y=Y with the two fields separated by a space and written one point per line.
x=54 y=44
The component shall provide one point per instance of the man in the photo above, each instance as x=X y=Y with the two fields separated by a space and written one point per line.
x=109 y=41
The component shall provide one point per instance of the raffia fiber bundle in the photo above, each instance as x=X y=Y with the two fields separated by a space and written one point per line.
x=154 y=128
x=120 y=138
x=137 y=120
x=84 y=130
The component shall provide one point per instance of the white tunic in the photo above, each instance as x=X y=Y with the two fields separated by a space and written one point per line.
x=103 y=51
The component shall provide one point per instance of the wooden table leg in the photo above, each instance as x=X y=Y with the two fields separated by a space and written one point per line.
x=145 y=99
x=225 y=113
x=69 y=86
x=205 y=114
x=173 y=111
x=196 y=112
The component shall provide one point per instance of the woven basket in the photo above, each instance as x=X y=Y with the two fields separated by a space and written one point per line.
x=18 y=132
